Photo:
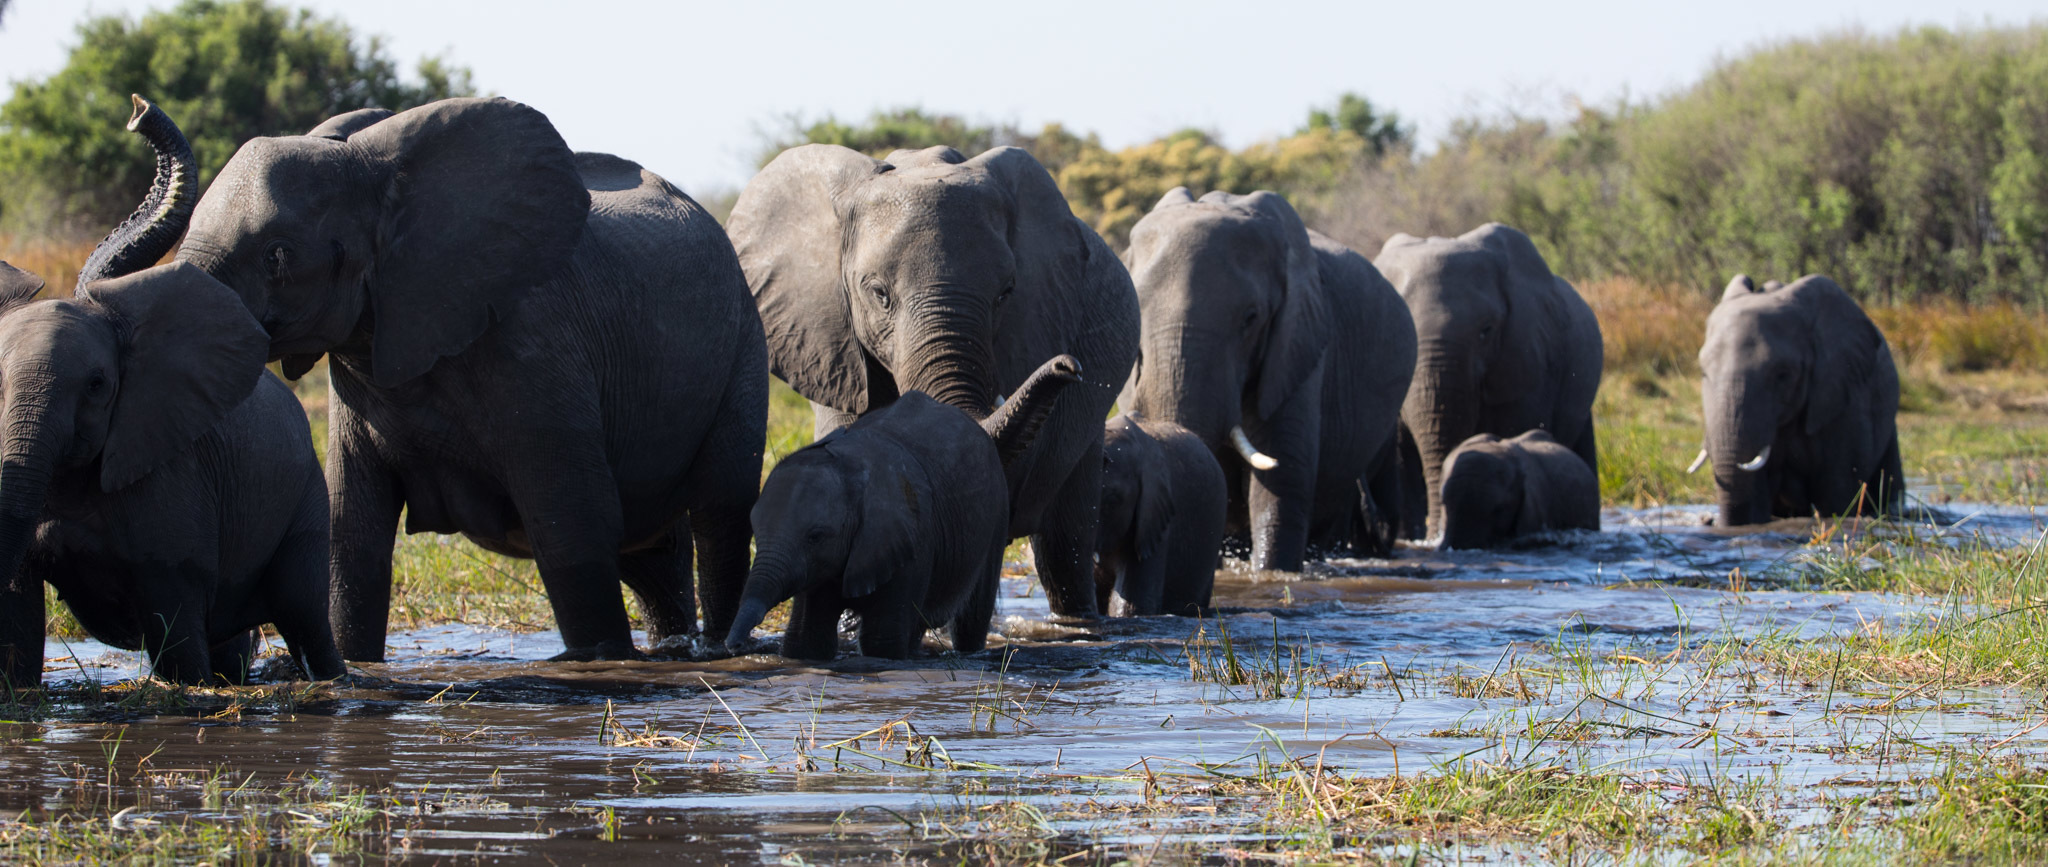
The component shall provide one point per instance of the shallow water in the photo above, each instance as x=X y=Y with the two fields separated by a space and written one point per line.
x=496 y=754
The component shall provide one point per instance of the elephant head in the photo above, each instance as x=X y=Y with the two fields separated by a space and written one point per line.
x=1232 y=304
x=1137 y=490
x=1777 y=361
x=393 y=236
x=1487 y=497
x=1484 y=304
x=880 y=276
x=125 y=375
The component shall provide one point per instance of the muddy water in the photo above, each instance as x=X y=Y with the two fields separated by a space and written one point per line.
x=468 y=745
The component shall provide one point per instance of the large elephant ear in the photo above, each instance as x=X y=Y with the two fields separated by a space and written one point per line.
x=1175 y=196
x=787 y=230
x=17 y=286
x=341 y=126
x=484 y=203
x=1846 y=348
x=1738 y=287
x=1534 y=297
x=190 y=353
x=1299 y=331
x=1053 y=251
x=1153 y=513
x=891 y=521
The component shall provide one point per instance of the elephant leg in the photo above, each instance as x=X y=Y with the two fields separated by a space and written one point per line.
x=570 y=510
x=891 y=626
x=1063 y=549
x=725 y=478
x=1382 y=496
x=231 y=659
x=1587 y=449
x=1143 y=586
x=723 y=551
x=1891 y=479
x=174 y=628
x=23 y=623
x=813 y=630
x=364 y=499
x=1282 y=499
x=1413 y=491
x=660 y=578
x=296 y=580
x=970 y=624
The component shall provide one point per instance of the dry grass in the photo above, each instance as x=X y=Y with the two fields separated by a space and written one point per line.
x=54 y=261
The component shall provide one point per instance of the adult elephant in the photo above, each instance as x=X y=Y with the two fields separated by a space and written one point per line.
x=1288 y=354
x=1505 y=347
x=1801 y=401
x=551 y=353
x=955 y=277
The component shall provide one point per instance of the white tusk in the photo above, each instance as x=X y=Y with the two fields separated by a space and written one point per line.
x=1697 y=462
x=1756 y=463
x=1243 y=444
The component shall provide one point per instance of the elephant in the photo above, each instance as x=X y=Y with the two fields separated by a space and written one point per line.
x=956 y=277
x=1506 y=347
x=1164 y=504
x=552 y=353
x=1498 y=489
x=1288 y=354
x=901 y=516
x=1801 y=401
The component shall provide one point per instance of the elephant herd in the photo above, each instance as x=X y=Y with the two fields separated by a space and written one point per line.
x=561 y=356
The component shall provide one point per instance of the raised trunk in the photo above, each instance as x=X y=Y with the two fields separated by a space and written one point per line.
x=1016 y=423
x=154 y=228
x=777 y=575
x=26 y=459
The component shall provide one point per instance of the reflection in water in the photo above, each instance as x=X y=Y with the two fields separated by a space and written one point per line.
x=756 y=757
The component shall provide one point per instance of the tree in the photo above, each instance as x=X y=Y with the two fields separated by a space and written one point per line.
x=226 y=70
x=1381 y=132
x=913 y=129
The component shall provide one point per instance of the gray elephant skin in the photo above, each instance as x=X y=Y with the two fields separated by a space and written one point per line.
x=901 y=516
x=1288 y=354
x=1505 y=347
x=955 y=277
x=157 y=477
x=1164 y=503
x=552 y=353
x=1801 y=403
x=1497 y=490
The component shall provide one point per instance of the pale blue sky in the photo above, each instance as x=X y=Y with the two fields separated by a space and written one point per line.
x=685 y=88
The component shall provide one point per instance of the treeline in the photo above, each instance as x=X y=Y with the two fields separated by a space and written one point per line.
x=1909 y=166
x=226 y=70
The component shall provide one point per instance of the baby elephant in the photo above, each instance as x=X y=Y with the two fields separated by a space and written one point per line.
x=1163 y=510
x=901 y=516
x=157 y=477
x=1496 y=489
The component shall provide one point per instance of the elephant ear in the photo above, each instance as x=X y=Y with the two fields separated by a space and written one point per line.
x=483 y=204
x=1533 y=515
x=1533 y=297
x=891 y=517
x=787 y=228
x=1739 y=287
x=190 y=353
x=1846 y=348
x=1053 y=252
x=17 y=287
x=1299 y=330
x=1153 y=513
x=341 y=126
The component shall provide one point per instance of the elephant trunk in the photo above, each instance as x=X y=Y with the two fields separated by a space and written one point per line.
x=778 y=574
x=1739 y=439
x=154 y=228
x=26 y=463
x=1441 y=412
x=950 y=357
x=1016 y=423
x=1188 y=379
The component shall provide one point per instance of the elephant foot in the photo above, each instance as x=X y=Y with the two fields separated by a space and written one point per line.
x=604 y=651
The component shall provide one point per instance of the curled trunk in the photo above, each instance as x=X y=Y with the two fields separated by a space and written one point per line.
x=154 y=228
x=1016 y=424
x=776 y=577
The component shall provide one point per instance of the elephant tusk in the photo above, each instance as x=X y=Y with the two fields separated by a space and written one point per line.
x=1756 y=463
x=1697 y=462
x=1243 y=444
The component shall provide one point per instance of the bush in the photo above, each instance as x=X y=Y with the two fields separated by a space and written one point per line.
x=226 y=71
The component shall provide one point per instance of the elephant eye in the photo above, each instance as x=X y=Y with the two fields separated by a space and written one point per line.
x=97 y=383
x=1485 y=331
x=1004 y=296
x=277 y=260
x=877 y=289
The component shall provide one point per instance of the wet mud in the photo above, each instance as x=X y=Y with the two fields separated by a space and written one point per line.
x=468 y=745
